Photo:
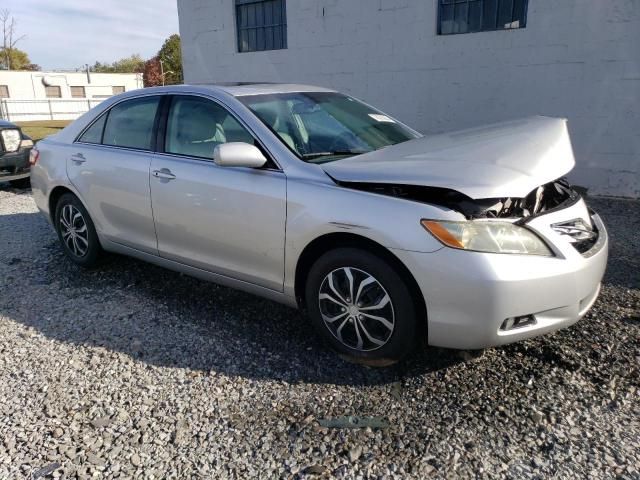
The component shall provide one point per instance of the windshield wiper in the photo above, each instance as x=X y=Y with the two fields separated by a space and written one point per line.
x=311 y=156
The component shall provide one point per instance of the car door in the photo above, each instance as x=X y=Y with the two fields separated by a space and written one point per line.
x=227 y=220
x=109 y=167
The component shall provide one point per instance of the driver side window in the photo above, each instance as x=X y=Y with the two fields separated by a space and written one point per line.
x=196 y=126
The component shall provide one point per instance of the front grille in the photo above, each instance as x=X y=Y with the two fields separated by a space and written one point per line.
x=579 y=234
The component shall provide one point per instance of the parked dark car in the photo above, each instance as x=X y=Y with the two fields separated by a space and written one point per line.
x=14 y=155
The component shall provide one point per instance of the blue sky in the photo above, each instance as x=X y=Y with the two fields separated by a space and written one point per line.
x=65 y=34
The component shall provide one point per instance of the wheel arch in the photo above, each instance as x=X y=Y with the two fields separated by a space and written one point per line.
x=331 y=241
x=54 y=198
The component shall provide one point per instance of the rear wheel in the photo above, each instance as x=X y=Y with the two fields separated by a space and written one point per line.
x=76 y=231
x=361 y=306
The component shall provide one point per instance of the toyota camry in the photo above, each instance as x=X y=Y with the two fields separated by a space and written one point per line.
x=312 y=198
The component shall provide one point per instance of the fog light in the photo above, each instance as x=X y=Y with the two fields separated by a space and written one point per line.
x=512 y=323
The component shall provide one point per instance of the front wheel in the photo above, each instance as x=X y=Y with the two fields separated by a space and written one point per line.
x=76 y=231
x=361 y=306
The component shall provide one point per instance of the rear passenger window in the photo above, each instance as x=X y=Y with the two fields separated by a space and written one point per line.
x=94 y=133
x=197 y=125
x=130 y=124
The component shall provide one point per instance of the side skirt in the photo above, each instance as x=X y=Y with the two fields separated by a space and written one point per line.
x=199 y=273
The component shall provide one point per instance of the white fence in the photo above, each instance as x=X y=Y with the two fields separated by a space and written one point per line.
x=49 y=109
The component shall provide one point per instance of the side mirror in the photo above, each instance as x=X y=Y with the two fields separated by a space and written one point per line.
x=238 y=154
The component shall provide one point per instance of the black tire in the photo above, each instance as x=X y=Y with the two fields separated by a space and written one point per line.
x=22 y=184
x=89 y=258
x=403 y=337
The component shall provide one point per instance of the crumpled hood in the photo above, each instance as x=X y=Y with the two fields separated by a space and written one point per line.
x=508 y=159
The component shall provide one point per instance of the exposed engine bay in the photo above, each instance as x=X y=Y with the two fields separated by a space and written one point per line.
x=543 y=199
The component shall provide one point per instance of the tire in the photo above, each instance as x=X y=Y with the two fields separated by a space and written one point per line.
x=349 y=330
x=21 y=184
x=84 y=249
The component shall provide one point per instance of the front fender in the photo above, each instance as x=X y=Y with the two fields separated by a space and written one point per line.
x=315 y=209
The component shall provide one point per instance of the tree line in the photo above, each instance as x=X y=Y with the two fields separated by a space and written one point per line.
x=164 y=68
x=165 y=65
x=12 y=58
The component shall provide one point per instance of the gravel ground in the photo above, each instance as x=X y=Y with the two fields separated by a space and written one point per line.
x=134 y=371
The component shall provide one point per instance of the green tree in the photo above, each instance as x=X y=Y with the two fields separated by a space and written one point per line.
x=171 y=57
x=10 y=57
x=14 y=59
x=132 y=64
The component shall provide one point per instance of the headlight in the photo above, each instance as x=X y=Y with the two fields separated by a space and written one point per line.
x=487 y=236
x=11 y=140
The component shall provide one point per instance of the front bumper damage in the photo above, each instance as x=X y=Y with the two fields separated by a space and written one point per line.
x=470 y=296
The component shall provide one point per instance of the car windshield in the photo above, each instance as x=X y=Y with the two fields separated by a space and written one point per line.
x=325 y=126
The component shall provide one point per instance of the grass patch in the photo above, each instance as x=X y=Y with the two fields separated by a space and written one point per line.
x=42 y=128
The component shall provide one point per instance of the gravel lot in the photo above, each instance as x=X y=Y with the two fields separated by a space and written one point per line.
x=134 y=371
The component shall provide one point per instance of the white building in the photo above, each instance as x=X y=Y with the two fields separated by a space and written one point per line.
x=578 y=59
x=58 y=95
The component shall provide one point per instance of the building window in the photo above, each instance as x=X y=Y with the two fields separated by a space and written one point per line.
x=53 y=91
x=117 y=90
x=466 y=16
x=261 y=25
x=4 y=91
x=78 y=92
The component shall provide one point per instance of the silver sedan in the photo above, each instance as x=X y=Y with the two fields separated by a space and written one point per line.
x=317 y=200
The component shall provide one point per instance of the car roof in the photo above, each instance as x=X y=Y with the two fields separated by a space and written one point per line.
x=238 y=89
x=241 y=89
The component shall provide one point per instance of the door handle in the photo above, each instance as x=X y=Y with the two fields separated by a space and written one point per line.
x=164 y=174
x=78 y=158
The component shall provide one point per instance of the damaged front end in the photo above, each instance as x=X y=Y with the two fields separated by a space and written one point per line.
x=556 y=195
x=551 y=196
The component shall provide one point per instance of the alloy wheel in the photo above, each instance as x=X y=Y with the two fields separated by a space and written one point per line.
x=73 y=229
x=356 y=309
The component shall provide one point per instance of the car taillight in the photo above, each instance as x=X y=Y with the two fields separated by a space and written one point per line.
x=34 y=156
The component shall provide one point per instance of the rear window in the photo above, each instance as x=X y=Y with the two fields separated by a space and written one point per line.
x=130 y=124
x=94 y=133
